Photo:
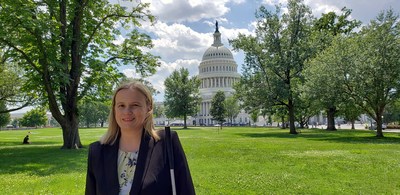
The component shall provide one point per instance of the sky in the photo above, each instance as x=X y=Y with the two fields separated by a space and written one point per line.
x=183 y=30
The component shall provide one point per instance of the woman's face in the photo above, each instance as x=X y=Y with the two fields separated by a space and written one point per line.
x=130 y=109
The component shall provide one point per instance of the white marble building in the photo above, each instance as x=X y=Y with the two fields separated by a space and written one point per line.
x=217 y=72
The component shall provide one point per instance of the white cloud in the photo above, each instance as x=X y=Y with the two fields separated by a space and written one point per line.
x=166 y=69
x=130 y=73
x=189 y=10
x=177 y=41
x=362 y=10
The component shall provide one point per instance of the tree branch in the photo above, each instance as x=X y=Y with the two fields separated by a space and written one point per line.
x=14 y=109
x=24 y=55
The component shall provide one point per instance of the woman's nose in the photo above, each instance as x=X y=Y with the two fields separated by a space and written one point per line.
x=127 y=110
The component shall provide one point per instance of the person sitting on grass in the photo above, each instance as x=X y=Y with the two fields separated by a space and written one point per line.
x=26 y=140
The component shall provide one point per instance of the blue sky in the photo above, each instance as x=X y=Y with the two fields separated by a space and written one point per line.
x=184 y=28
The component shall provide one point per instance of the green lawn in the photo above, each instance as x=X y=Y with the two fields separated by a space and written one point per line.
x=233 y=161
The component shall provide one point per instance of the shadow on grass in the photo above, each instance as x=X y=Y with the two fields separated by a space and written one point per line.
x=41 y=160
x=364 y=139
x=345 y=136
x=36 y=143
x=181 y=128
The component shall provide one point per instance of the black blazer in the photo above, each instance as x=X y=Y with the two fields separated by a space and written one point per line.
x=152 y=174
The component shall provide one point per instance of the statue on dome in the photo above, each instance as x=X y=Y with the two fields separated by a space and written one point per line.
x=216 y=26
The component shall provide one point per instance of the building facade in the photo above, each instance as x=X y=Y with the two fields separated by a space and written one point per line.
x=217 y=72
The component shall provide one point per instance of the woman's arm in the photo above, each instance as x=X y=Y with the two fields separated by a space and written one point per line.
x=90 y=179
x=183 y=179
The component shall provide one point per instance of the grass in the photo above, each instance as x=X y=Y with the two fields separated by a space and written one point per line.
x=233 y=161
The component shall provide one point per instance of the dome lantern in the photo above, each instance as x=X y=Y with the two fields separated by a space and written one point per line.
x=217 y=37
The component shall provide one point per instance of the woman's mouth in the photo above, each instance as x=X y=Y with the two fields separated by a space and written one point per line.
x=127 y=119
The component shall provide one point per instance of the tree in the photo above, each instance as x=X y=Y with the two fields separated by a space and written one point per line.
x=373 y=80
x=182 y=97
x=87 y=113
x=232 y=108
x=11 y=82
x=324 y=89
x=158 y=111
x=103 y=110
x=218 y=108
x=68 y=50
x=254 y=116
x=4 y=117
x=350 y=111
x=34 y=118
x=275 y=57
x=93 y=112
x=368 y=65
x=392 y=112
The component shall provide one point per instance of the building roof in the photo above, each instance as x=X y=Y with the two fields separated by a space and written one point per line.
x=217 y=49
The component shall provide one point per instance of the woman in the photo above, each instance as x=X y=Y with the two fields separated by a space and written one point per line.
x=131 y=157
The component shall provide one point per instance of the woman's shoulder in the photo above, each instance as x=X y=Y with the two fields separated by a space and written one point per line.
x=97 y=146
x=161 y=133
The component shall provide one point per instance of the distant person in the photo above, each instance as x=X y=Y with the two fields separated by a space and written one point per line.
x=131 y=157
x=26 y=140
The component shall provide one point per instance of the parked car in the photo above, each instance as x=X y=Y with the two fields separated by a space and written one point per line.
x=176 y=124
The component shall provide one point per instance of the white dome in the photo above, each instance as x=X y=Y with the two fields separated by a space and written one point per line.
x=217 y=52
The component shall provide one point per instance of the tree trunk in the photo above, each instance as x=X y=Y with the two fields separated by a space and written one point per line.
x=184 y=122
x=379 y=132
x=302 y=125
x=71 y=134
x=283 y=126
x=331 y=119
x=352 y=125
x=291 y=117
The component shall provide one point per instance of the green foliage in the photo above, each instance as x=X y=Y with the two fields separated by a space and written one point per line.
x=336 y=24
x=4 y=117
x=254 y=116
x=33 y=118
x=182 y=97
x=239 y=160
x=69 y=50
x=367 y=65
x=275 y=57
x=232 y=108
x=323 y=90
x=350 y=110
x=158 y=111
x=392 y=112
x=93 y=113
x=11 y=83
x=218 y=107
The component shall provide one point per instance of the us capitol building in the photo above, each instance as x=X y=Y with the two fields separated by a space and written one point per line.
x=217 y=72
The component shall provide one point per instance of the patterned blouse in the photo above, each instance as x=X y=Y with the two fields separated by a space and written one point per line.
x=126 y=170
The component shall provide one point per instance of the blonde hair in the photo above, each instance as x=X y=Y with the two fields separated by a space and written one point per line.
x=114 y=130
